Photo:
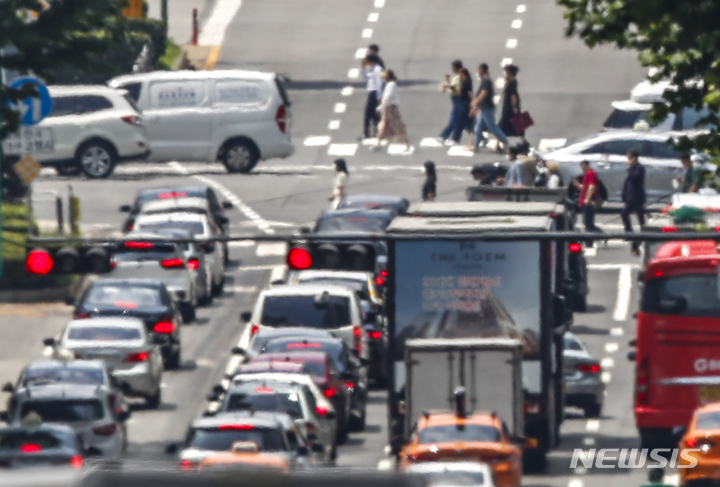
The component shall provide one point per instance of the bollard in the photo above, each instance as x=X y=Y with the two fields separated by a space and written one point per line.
x=71 y=210
x=194 y=27
x=59 y=211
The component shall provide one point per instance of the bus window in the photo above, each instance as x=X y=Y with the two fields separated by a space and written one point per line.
x=684 y=295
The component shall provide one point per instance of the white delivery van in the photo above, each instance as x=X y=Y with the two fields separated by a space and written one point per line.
x=237 y=117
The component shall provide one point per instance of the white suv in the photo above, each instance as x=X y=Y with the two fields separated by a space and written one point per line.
x=89 y=129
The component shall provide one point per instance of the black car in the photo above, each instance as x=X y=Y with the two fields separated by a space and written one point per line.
x=41 y=445
x=145 y=299
x=353 y=373
x=396 y=204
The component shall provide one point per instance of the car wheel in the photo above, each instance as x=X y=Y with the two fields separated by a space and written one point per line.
x=240 y=156
x=188 y=313
x=217 y=289
x=96 y=159
x=69 y=170
x=207 y=298
x=593 y=410
x=580 y=304
x=173 y=361
x=342 y=434
x=333 y=453
x=154 y=401
x=358 y=423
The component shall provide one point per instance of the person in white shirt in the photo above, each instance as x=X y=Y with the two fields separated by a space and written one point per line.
x=372 y=72
x=341 y=175
x=391 y=126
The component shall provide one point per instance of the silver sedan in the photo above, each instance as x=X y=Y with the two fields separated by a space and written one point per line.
x=584 y=387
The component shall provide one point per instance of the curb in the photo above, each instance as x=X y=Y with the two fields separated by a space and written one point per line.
x=49 y=295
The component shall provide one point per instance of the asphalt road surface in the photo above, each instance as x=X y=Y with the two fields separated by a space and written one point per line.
x=566 y=87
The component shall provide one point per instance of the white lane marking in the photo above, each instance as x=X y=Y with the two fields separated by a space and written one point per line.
x=460 y=150
x=511 y=43
x=238 y=203
x=607 y=363
x=400 y=150
x=591 y=252
x=385 y=464
x=496 y=99
x=347 y=91
x=316 y=140
x=575 y=483
x=267 y=249
x=520 y=9
x=179 y=168
x=339 y=108
x=499 y=83
x=379 y=3
x=353 y=73
x=592 y=425
x=241 y=289
x=163 y=385
x=250 y=268
x=516 y=24
x=241 y=243
x=611 y=347
x=367 y=33
x=549 y=144
x=611 y=267
x=205 y=362
x=213 y=31
x=505 y=62
x=372 y=141
x=616 y=332
x=606 y=377
x=588 y=441
x=342 y=149
x=373 y=17
x=624 y=289
x=334 y=125
x=232 y=365
x=672 y=479
x=361 y=53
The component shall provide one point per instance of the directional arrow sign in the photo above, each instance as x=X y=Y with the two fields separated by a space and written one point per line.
x=33 y=110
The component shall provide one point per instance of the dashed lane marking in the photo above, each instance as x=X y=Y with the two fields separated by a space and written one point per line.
x=353 y=73
x=361 y=53
x=611 y=267
x=616 y=332
x=213 y=31
x=254 y=268
x=606 y=377
x=607 y=363
x=611 y=347
x=267 y=249
x=385 y=464
x=347 y=91
x=346 y=150
x=430 y=142
x=400 y=150
x=520 y=9
x=379 y=3
x=575 y=483
x=241 y=243
x=592 y=425
x=240 y=289
x=367 y=33
x=624 y=290
x=516 y=24
x=373 y=17
x=316 y=140
x=334 y=124
x=511 y=43
x=339 y=108
x=591 y=252
x=506 y=61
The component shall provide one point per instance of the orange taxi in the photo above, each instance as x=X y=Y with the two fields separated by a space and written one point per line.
x=246 y=454
x=703 y=434
x=478 y=437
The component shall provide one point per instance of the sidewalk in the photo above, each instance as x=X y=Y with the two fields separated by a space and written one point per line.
x=180 y=16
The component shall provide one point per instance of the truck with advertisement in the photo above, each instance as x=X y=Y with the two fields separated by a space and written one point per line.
x=460 y=278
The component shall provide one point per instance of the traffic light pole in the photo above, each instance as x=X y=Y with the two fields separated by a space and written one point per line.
x=2 y=158
x=164 y=11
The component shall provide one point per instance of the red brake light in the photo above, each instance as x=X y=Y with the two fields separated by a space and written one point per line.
x=30 y=448
x=384 y=273
x=186 y=465
x=264 y=390
x=83 y=316
x=138 y=245
x=172 y=263
x=76 y=461
x=356 y=331
x=321 y=410
x=350 y=385
x=375 y=335
x=39 y=262
x=575 y=247
x=380 y=281
x=193 y=264
x=106 y=430
x=138 y=357
x=164 y=327
x=691 y=442
x=592 y=368
x=254 y=329
x=669 y=229
x=132 y=120
x=171 y=194
x=329 y=392
x=281 y=118
x=357 y=338
x=303 y=345
x=236 y=427
x=299 y=258
x=658 y=273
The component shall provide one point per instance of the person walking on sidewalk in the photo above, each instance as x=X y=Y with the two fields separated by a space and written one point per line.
x=374 y=49
x=341 y=175
x=429 y=188
x=484 y=106
x=511 y=103
x=589 y=193
x=460 y=105
x=691 y=179
x=633 y=195
x=391 y=125
x=372 y=73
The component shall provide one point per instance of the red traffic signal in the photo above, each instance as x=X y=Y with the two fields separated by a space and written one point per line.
x=299 y=258
x=68 y=260
x=39 y=262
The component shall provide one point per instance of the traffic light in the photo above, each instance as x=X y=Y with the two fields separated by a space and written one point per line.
x=332 y=256
x=68 y=260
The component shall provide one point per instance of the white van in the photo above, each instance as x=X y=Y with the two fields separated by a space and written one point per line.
x=237 y=117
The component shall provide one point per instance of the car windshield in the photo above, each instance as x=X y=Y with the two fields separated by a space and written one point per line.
x=708 y=421
x=267 y=399
x=163 y=194
x=194 y=227
x=132 y=252
x=64 y=411
x=359 y=286
x=40 y=440
x=103 y=333
x=222 y=439
x=67 y=375
x=122 y=297
x=327 y=313
x=686 y=295
x=625 y=119
x=352 y=223
x=468 y=432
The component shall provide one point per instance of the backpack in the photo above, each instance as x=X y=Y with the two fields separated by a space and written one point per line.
x=602 y=190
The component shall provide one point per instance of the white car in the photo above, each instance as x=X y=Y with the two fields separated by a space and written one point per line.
x=89 y=129
x=237 y=117
x=455 y=474
x=335 y=309
x=607 y=154
x=202 y=228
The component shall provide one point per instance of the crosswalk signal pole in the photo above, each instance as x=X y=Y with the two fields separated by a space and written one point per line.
x=2 y=174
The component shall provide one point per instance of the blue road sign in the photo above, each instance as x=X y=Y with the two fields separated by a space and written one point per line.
x=33 y=110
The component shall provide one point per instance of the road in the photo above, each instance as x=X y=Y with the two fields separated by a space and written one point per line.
x=566 y=87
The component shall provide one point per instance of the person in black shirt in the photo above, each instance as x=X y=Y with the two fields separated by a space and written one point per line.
x=484 y=106
x=633 y=195
x=511 y=102
x=429 y=188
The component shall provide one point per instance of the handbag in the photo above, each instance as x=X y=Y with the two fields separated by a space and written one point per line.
x=521 y=122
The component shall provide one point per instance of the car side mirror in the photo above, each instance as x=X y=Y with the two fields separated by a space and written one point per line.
x=317 y=448
x=631 y=355
x=172 y=449
x=8 y=387
x=245 y=316
x=302 y=451
x=70 y=301
x=227 y=205
x=125 y=209
x=239 y=351
x=93 y=452
x=49 y=342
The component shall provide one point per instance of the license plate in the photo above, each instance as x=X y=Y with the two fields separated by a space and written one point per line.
x=709 y=393
x=30 y=140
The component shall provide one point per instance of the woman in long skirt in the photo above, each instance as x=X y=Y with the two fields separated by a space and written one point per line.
x=511 y=103
x=391 y=126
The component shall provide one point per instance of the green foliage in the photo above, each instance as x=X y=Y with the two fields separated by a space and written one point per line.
x=172 y=52
x=681 y=39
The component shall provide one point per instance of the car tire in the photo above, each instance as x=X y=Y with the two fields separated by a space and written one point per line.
x=207 y=297
x=580 y=304
x=240 y=156
x=333 y=453
x=173 y=361
x=217 y=289
x=154 y=401
x=342 y=435
x=96 y=159
x=68 y=170
x=188 y=313
x=593 y=410
x=358 y=423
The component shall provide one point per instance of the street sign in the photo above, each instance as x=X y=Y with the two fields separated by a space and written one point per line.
x=33 y=110
x=27 y=169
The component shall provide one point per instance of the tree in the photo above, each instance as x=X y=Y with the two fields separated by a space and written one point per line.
x=680 y=39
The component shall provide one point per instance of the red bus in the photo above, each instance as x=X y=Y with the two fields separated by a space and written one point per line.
x=677 y=357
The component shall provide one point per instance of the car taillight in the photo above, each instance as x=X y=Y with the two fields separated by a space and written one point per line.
x=357 y=338
x=193 y=264
x=138 y=245
x=138 y=357
x=172 y=263
x=691 y=442
x=186 y=465
x=642 y=381
x=321 y=410
x=244 y=427
x=669 y=229
x=350 y=385
x=107 y=430
x=30 y=448
x=575 y=247
x=164 y=327
x=132 y=120
x=380 y=280
x=532 y=408
x=281 y=118
x=329 y=392
x=375 y=335
x=590 y=368
x=254 y=329
x=82 y=316
x=76 y=461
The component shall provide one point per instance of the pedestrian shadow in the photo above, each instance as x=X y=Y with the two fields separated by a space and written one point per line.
x=372 y=429
x=588 y=330
x=594 y=309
